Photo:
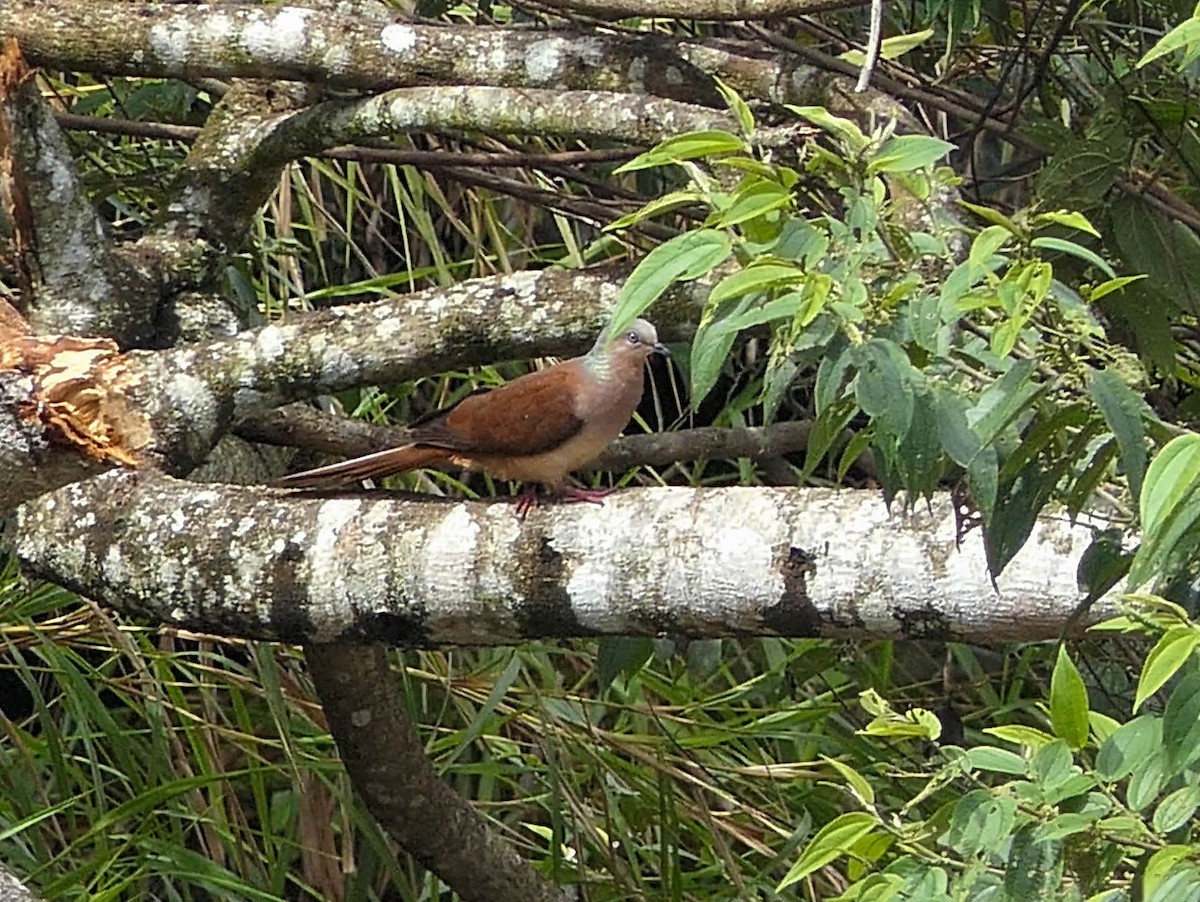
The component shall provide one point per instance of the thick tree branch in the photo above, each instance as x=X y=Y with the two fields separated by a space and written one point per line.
x=176 y=404
x=306 y=567
x=387 y=764
x=231 y=40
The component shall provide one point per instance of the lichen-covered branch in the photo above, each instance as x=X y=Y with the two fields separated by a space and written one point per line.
x=379 y=567
x=174 y=405
x=286 y=43
x=636 y=118
x=479 y=321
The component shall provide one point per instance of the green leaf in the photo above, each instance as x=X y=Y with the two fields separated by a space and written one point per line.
x=995 y=217
x=710 y=350
x=1128 y=748
x=1183 y=882
x=1167 y=251
x=1112 y=285
x=688 y=146
x=782 y=308
x=1169 y=654
x=1160 y=864
x=755 y=199
x=955 y=435
x=890 y=48
x=1068 y=701
x=687 y=256
x=849 y=134
x=1181 y=724
x=737 y=106
x=883 y=386
x=622 y=656
x=980 y=821
x=830 y=843
x=1035 y=869
x=857 y=781
x=1065 y=246
x=1147 y=781
x=759 y=277
x=1019 y=734
x=1001 y=761
x=1170 y=508
x=904 y=153
x=1069 y=219
x=986 y=243
x=1185 y=35
x=1122 y=410
x=1176 y=809
x=664 y=204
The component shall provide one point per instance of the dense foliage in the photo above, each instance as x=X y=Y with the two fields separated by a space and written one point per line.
x=1007 y=311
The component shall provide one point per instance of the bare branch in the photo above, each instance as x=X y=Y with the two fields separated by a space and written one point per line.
x=305 y=567
x=306 y=427
x=711 y=10
x=387 y=764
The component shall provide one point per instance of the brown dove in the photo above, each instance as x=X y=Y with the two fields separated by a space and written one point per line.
x=535 y=429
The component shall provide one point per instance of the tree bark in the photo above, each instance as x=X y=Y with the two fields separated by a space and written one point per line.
x=417 y=571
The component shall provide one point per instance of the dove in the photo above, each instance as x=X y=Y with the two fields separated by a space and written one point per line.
x=535 y=429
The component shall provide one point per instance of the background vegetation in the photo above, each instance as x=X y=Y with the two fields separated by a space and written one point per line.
x=1029 y=347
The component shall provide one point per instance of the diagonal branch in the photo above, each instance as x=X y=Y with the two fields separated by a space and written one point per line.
x=387 y=764
x=75 y=282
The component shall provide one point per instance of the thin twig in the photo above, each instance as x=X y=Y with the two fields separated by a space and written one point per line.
x=874 y=42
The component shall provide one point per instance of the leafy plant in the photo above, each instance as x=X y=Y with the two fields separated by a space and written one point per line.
x=953 y=355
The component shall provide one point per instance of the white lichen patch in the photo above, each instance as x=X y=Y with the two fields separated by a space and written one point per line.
x=398 y=38
x=216 y=27
x=544 y=59
x=269 y=343
x=338 y=59
x=278 y=37
x=193 y=398
x=171 y=41
x=449 y=552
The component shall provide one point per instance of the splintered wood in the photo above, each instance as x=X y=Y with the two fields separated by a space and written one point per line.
x=76 y=392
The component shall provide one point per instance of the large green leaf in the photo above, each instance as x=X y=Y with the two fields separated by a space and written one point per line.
x=1167 y=252
x=687 y=256
x=1123 y=412
x=831 y=842
x=710 y=350
x=1181 y=724
x=1170 y=653
x=1068 y=701
x=903 y=153
x=1170 y=509
x=884 y=386
x=759 y=277
x=689 y=146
